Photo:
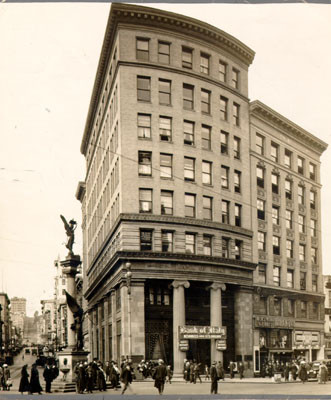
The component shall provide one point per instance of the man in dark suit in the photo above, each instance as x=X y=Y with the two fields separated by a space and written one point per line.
x=214 y=378
x=159 y=376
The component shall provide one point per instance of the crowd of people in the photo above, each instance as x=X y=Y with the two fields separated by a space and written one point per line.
x=5 y=380
x=30 y=382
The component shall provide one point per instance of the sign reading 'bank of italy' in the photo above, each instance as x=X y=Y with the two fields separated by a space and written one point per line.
x=202 y=332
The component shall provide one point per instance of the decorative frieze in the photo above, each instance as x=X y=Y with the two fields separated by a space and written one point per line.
x=261 y=193
x=302 y=237
x=289 y=204
x=277 y=259
x=276 y=199
x=302 y=209
x=303 y=265
x=262 y=224
x=289 y=233
x=276 y=229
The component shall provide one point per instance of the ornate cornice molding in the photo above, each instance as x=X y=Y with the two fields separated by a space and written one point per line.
x=262 y=111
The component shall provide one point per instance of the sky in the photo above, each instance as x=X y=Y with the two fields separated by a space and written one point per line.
x=48 y=60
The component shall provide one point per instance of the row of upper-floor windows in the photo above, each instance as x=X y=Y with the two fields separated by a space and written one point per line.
x=276 y=248
x=190 y=203
x=188 y=98
x=191 y=132
x=287 y=157
x=168 y=243
x=288 y=187
x=191 y=59
x=290 y=275
x=166 y=170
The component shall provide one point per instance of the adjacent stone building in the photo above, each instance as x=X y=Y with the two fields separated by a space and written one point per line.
x=18 y=313
x=178 y=261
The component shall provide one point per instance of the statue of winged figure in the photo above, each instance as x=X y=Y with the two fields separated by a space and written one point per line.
x=70 y=229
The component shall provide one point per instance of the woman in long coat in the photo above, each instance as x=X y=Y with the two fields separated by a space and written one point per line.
x=303 y=373
x=34 y=380
x=323 y=373
x=24 y=382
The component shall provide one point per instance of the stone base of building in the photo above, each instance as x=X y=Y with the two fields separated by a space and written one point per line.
x=68 y=359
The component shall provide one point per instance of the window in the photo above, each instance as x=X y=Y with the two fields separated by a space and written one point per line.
x=145 y=200
x=207 y=207
x=188 y=99
x=314 y=279
x=302 y=280
x=262 y=270
x=166 y=166
x=225 y=247
x=143 y=88
x=235 y=78
x=187 y=57
x=224 y=142
x=290 y=278
x=142 y=50
x=189 y=133
x=206 y=172
x=145 y=163
x=277 y=306
x=164 y=52
x=144 y=126
x=288 y=189
x=274 y=183
x=302 y=252
x=312 y=200
x=260 y=205
x=289 y=248
x=237 y=214
x=167 y=241
x=301 y=165
x=288 y=158
x=236 y=115
x=207 y=243
x=314 y=311
x=276 y=245
x=206 y=137
x=146 y=239
x=237 y=181
x=301 y=195
x=313 y=255
x=237 y=249
x=276 y=276
x=288 y=218
x=222 y=67
x=164 y=92
x=275 y=215
x=303 y=309
x=190 y=243
x=236 y=148
x=312 y=171
x=166 y=202
x=224 y=177
x=224 y=108
x=165 y=128
x=274 y=152
x=204 y=63
x=259 y=144
x=205 y=101
x=261 y=240
x=260 y=177
x=313 y=229
x=189 y=169
x=301 y=223
x=225 y=212
x=290 y=307
x=189 y=205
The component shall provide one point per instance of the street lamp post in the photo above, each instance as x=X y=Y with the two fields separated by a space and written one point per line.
x=128 y=276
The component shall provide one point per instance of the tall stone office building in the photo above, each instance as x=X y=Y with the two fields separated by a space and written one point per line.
x=181 y=260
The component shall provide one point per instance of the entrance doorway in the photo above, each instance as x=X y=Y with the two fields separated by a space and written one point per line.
x=199 y=351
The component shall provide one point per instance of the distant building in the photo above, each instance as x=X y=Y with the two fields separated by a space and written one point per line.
x=5 y=325
x=327 y=321
x=18 y=312
x=48 y=313
x=60 y=306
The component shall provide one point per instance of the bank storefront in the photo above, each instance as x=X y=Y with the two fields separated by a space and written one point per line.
x=273 y=340
x=308 y=345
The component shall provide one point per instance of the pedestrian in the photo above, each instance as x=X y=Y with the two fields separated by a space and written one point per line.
x=287 y=372
x=89 y=378
x=159 y=376
x=207 y=372
x=303 y=373
x=241 y=369
x=126 y=376
x=294 y=370
x=7 y=383
x=101 y=379
x=114 y=375
x=24 y=381
x=48 y=376
x=214 y=378
x=220 y=371
x=196 y=372
x=169 y=373
x=232 y=367
x=187 y=371
x=323 y=372
x=34 y=380
x=107 y=371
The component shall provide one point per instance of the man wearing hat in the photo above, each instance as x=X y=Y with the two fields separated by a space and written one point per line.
x=214 y=378
x=159 y=376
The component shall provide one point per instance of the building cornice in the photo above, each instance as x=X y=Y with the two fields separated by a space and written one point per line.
x=267 y=114
x=81 y=190
x=140 y=16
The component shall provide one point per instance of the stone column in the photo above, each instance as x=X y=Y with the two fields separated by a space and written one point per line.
x=138 y=318
x=178 y=320
x=113 y=323
x=216 y=316
x=106 y=324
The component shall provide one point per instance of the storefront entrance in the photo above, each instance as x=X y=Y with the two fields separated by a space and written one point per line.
x=199 y=351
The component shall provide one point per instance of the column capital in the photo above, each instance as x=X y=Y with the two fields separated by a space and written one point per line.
x=216 y=286
x=176 y=284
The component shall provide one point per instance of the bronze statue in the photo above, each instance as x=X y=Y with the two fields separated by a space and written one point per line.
x=70 y=229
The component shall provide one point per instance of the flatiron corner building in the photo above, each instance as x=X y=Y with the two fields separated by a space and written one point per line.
x=201 y=209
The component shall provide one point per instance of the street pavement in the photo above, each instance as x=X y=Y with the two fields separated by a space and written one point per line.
x=247 y=388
